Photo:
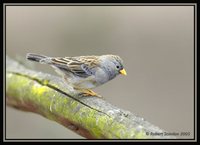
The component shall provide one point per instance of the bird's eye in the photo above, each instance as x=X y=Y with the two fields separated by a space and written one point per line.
x=117 y=66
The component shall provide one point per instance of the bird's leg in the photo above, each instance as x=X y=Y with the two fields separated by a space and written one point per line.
x=87 y=92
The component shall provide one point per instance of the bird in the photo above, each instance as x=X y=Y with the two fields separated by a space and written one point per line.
x=84 y=72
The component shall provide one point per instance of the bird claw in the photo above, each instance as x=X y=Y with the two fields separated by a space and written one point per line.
x=89 y=93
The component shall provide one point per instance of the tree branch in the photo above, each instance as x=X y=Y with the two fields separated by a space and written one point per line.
x=91 y=117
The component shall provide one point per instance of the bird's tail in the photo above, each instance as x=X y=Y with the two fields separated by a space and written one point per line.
x=35 y=57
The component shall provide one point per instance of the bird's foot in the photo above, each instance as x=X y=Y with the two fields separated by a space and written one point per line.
x=89 y=93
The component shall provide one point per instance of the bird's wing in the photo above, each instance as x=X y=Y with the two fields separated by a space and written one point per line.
x=80 y=66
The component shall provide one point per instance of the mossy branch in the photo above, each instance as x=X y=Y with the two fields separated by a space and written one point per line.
x=91 y=117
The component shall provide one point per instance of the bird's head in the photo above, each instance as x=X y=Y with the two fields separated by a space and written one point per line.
x=113 y=64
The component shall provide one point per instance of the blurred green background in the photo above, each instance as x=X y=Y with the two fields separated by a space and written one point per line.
x=155 y=42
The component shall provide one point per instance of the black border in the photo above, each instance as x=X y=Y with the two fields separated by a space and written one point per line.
x=118 y=4
x=102 y=1
x=2 y=64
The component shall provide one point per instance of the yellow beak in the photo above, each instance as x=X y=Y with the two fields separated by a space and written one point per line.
x=123 y=72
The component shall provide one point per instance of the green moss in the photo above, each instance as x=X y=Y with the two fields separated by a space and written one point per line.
x=45 y=82
x=16 y=85
x=39 y=90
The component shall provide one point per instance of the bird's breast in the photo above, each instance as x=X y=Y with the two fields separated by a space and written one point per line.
x=101 y=76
